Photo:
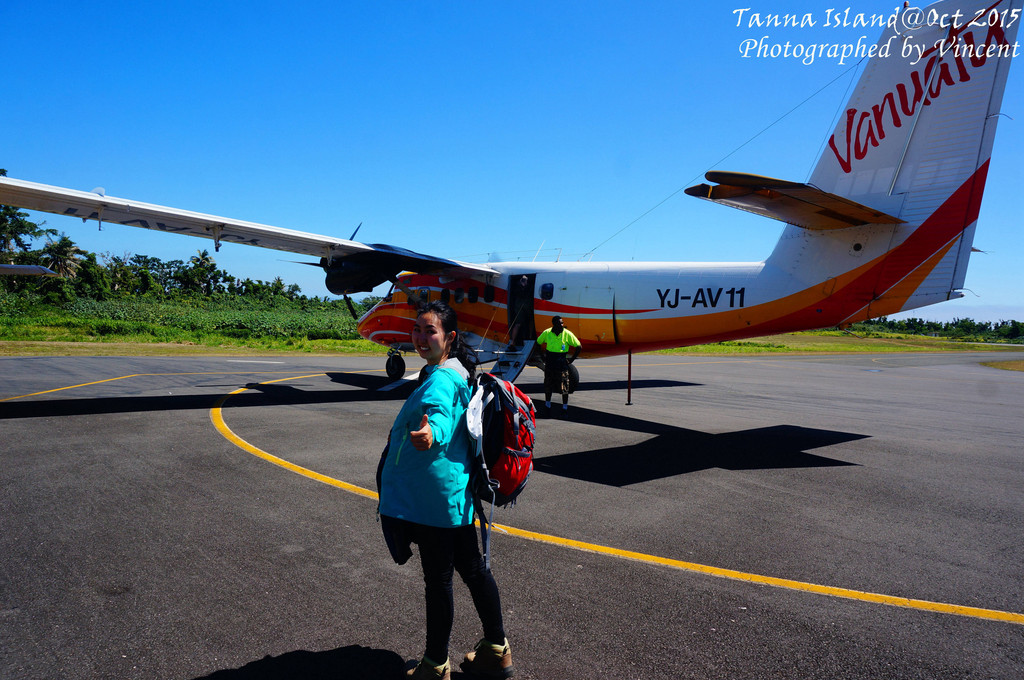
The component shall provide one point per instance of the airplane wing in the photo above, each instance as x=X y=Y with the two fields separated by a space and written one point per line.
x=26 y=270
x=352 y=266
x=791 y=202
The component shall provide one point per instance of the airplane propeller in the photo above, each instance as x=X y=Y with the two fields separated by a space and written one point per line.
x=348 y=300
x=351 y=307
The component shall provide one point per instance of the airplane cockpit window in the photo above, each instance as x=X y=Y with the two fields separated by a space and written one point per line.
x=547 y=291
x=391 y=292
x=419 y=297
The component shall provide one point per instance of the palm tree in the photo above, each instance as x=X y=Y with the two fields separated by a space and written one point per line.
x=62 y=256
x=205 y=271
x=202 y=260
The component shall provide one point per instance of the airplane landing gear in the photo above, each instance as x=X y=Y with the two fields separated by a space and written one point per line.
x=537 y=360
x=395 y=365
x=574 y=378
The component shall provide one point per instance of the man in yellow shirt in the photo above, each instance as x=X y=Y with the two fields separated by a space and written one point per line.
x=560 y=347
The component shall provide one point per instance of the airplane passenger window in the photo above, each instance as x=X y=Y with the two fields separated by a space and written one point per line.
x=460 y=295
x=474 y=294
x=547 y=291
x=489 y=293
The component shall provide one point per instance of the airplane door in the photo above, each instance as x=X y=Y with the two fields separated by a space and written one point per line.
x=520 y=308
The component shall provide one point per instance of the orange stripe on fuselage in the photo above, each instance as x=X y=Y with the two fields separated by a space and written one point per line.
x=896 y=297
x=936 y=233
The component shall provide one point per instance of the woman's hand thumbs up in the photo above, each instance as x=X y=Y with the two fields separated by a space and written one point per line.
x=423 y=438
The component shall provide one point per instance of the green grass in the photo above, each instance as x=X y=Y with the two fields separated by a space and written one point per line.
x=812 y=342
x=186 y=326
x=1006 y=365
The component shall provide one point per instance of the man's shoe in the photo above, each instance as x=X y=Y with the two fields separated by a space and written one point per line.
x=426 y=670
x=489 y=661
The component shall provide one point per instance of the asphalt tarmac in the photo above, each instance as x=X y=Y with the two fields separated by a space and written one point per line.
x=745 y=517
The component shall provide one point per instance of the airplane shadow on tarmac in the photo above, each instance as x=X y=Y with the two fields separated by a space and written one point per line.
x=352 y=663
x=669 y=452
x=258 y=394
x=537 y=388
x=368 y=387
x=675 y=450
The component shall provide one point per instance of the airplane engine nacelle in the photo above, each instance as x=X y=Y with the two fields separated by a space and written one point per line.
x=362 y=272
x=353 y=275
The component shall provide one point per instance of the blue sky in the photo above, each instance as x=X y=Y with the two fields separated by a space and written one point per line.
x=454 y=128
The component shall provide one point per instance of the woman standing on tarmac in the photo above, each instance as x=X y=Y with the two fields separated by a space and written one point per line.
x=425 y=498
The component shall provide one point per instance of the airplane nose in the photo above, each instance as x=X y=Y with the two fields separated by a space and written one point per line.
x=366 y=325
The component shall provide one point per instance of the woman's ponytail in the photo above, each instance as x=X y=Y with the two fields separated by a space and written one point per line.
x=464 y=354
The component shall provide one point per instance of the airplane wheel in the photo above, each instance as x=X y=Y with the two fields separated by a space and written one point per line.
x=395 y=366
x=574 y=378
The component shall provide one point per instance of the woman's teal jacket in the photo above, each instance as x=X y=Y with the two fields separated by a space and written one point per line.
x=431 y=487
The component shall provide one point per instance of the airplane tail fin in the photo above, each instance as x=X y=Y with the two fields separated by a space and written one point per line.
x=914 y=142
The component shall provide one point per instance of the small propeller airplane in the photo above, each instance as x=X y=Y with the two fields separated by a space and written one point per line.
x=885 y=223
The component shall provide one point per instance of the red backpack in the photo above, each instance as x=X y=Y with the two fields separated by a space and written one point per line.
x=502 y=421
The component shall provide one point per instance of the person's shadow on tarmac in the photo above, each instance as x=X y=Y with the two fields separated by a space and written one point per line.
x=351 y=663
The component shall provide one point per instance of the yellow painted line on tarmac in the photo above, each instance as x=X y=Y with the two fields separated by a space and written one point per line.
x=71 y=387
x=846 y=593
x=216 y=415
x=125 y=377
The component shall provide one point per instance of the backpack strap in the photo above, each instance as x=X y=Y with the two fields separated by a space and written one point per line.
x=456 y=379
x=485 y=530
x=486 y=520
x=474 y=421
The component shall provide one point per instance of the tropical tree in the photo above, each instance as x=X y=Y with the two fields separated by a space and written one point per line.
x=123 y=276
x=1009 y=330
x=92 y=281
x=62 y=256
x=203 y=260
x=161 y=272
x=201 y=275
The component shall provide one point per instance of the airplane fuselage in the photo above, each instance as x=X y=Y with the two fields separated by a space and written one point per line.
x=612 y=307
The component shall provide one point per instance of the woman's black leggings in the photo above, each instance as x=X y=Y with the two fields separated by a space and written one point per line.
x=441 y=551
